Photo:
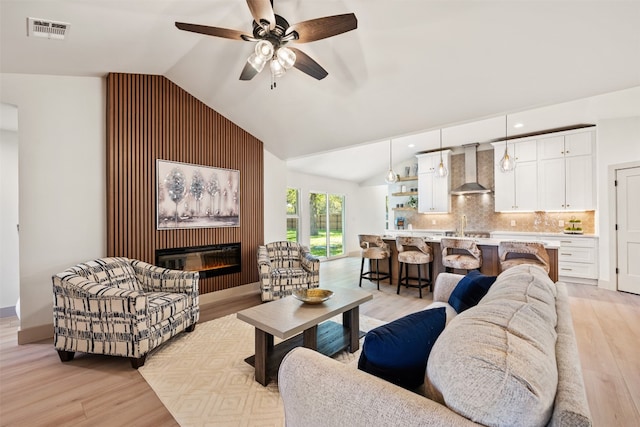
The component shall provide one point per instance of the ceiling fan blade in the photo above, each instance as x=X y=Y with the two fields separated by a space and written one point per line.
x=321 y=28
x=212 y=31
x=307 y=65
x=261 y=10
x=248 y=72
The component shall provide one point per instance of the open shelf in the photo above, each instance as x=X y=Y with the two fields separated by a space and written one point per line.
x=406 y=193
x=404 y=209
x=407 y=178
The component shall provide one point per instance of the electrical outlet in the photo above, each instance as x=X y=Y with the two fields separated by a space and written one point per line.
x=560 y=223
x=513 y=222
x=433 y=222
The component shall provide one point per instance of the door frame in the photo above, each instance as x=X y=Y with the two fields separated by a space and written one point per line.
x=613 y=216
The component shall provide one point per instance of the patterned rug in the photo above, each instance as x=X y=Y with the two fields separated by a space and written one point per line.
x=203 y=380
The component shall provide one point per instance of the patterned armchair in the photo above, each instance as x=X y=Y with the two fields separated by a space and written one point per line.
x=121 y=307
x=285 y=266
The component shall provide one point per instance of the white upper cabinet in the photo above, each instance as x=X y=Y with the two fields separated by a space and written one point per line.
x=565 y=170
x=433 y=191
x=516 y=190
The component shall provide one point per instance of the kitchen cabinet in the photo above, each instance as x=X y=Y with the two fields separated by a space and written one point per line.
x=433 y=190
x=565 y=171
x=516 y=190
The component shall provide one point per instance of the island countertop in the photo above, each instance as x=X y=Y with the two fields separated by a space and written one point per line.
x=490 y=259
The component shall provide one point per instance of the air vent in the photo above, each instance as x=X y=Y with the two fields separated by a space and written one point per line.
x=47 y=29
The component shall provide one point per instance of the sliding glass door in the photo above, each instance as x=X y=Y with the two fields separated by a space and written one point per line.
x=326 y=219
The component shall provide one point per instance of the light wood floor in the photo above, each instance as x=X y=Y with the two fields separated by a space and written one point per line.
x=37 y=389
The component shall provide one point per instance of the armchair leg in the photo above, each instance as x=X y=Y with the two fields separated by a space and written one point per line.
x=138 y=362
x=191 y=328
x=66 y=356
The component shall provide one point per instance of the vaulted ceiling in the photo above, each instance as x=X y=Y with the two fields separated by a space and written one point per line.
x=411 y=67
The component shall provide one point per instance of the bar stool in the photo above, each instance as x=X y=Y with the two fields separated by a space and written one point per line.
x=516 y=253
x=453 y=256
x=374 y=248
x=414 y=251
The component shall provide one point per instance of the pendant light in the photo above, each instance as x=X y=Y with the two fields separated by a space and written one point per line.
x=507 y=163
x=442 y=169
x=391 y=175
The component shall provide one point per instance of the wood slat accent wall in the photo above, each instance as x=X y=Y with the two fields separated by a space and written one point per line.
x=150 y=118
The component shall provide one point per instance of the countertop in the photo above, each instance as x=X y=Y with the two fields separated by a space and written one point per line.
x=549 y=244
x=528 y=235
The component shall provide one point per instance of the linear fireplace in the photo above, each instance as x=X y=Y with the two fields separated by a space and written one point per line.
x=210 y=261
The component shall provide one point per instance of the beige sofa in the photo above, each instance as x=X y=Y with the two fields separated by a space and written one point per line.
x=535 y=380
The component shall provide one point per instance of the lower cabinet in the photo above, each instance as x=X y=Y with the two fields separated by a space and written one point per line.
x=577 y=258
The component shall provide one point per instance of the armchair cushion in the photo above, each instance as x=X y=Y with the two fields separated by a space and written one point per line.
x=163 y=305
x=112 y=272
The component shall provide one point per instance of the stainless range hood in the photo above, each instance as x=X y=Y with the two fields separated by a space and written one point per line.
x=470 y=185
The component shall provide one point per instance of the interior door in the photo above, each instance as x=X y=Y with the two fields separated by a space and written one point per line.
x=628 y=220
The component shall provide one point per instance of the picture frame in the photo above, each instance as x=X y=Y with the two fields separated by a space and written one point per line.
x=196 y=196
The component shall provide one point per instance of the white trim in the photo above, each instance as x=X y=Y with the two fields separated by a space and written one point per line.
x=612 y=284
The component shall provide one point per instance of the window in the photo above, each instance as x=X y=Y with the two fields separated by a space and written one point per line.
x=326 y=219
x=293 y=219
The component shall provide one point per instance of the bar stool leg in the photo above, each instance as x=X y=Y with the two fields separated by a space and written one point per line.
x=419 y=281
x=361 y=271
x=378 y=273
x=399 y=279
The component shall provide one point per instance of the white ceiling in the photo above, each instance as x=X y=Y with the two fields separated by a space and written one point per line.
x=411 y=68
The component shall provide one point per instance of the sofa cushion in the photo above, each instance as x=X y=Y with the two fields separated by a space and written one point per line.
x=470 y=290
x=496 y=363
x=398 y=351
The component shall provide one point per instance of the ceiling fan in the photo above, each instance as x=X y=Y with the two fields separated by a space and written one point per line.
x=272 y=33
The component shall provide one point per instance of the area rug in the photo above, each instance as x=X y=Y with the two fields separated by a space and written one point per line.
x=203 y=380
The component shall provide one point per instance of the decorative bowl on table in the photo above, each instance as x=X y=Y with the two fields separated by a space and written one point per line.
x=312 y=296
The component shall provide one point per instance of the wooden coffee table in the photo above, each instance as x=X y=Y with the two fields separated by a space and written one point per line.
x=288 y=317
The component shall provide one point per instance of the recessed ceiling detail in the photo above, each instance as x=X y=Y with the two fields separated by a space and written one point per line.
x=47 y=29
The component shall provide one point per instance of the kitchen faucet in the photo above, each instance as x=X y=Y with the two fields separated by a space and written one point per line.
x=463 y=224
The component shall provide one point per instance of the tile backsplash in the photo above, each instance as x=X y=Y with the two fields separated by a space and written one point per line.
x=479 y=208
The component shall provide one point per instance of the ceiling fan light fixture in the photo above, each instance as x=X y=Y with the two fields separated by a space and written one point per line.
x=277 y=70
x=256 y=62
x=264 y=49
x=286 y=57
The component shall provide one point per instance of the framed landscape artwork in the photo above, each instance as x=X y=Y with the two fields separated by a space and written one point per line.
x=194 y=196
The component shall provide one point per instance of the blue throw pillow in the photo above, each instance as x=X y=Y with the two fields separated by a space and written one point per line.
x=398 y=351
x=470 y=290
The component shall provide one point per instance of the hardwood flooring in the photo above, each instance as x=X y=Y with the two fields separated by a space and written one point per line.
x=36 y=389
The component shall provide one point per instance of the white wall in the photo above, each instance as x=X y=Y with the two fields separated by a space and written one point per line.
x=62 y=161
x=364 y=206
x=275 y=198
x=9 y=262
x=618 y=142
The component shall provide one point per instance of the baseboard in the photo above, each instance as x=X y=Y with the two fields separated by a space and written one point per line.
x=238 y=291
x=35 y=334
x=7 y=311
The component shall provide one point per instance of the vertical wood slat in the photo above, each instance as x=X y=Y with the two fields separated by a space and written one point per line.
x=150 y=118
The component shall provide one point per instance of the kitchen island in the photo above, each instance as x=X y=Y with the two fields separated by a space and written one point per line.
x=490 y=259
